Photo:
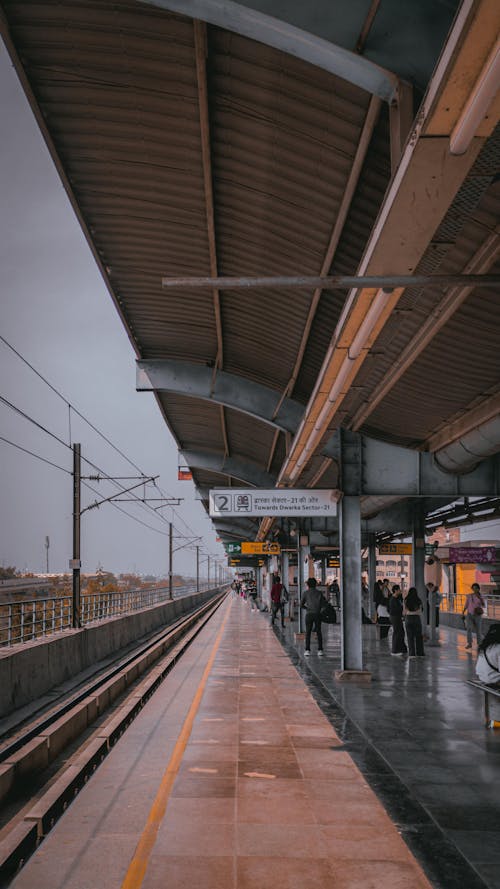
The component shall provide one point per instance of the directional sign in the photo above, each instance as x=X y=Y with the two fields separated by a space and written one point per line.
x=395 y=549
x=252 y=547
x=260 y=548
x=233 y=548
x=273 y=502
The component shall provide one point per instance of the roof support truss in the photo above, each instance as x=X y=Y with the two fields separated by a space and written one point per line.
x=280 y=34
x=198 y=381
x=244 y=471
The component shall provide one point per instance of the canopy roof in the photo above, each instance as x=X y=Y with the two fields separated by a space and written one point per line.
x=191 y=149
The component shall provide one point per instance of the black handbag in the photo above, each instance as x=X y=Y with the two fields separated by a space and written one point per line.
x=328 y=615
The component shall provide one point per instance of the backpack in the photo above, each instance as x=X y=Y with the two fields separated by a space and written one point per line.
x=492 y=637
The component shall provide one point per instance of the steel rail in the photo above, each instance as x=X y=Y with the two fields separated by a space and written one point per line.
x=38 y=726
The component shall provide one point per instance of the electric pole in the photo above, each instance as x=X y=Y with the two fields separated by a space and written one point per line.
x=75 y=562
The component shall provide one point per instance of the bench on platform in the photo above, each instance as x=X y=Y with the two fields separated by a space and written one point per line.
x=490 y=691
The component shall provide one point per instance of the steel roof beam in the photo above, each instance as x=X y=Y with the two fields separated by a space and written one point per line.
x=421 y=191
x=231 y=390
x=483 y=260
x=289 y=39
x=244 y=471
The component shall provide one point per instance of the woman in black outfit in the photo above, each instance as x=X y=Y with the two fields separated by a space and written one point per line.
x=413 y=610
x=396 y=616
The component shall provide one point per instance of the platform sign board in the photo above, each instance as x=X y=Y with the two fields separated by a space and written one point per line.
x=260 y=548
x=273 y=502
x=395 y=549
x=253 y=548
x=233 y=549
x=473 y=554
x=334 y=562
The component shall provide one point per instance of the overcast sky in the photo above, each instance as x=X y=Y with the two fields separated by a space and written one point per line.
x=55 y=311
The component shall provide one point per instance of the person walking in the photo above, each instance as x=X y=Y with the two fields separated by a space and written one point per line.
x=473 y=612
x=396 y=617
x=313 y=601
x=413 y=611
x=278 y=600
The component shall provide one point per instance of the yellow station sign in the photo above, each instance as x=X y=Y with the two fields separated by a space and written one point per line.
x=395 y=549
x=259 y=548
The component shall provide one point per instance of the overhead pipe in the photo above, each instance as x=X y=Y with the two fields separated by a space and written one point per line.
x=466 y=452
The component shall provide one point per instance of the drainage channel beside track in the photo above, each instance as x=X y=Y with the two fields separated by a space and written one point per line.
x=112 y=701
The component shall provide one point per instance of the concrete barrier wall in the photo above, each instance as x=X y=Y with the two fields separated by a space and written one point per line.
x=30 y=670
x=452 y=619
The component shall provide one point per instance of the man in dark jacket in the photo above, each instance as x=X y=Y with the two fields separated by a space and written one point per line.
x=313 y=601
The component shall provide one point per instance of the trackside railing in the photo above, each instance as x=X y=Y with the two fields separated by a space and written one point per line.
x=25 y=620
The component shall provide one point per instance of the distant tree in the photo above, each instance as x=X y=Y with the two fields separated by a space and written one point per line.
x=8 y=573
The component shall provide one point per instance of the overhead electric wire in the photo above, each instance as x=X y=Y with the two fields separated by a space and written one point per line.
x=32 y=454
x=96 y=430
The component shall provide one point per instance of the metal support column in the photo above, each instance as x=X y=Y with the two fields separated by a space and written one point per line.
x=418 y=541
x=350 y=559
x=323 y=570
x=300 y=583
x=77 y=471
x=372 y=570
x=284 y=581
x=197 y=569
x=208 y=572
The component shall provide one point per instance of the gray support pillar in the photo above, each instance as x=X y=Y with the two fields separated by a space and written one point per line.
x=372 y=570
x=258 y=577
x=418 y=541
x=350 y=559
x=285 y=581
x=300 y=583
x=323 y=570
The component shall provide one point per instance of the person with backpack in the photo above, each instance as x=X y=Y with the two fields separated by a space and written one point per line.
x=488 y=670
x=488 y=661
x=313 y=601
x=472 y=612
x=279 y=598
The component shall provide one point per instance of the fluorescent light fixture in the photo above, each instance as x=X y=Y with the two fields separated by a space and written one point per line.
x=477 y=105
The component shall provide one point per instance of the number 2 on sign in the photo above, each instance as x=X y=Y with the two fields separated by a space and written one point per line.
x=223 y=503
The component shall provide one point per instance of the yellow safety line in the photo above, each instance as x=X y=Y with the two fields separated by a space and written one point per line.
x=137 y=868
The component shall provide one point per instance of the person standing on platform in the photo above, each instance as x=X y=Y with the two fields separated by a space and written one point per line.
x=383 y=619
x=473 y=612
x=432 y=595
x=365 y=602
x=334 y=593
x=413 y=611
x=277 y=600
x=313 y=601
x=396 y=616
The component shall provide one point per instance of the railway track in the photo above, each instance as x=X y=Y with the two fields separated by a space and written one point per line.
x=49 y=758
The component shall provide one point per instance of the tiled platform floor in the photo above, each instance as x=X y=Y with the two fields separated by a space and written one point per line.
x=266 y=795
x=417 y=733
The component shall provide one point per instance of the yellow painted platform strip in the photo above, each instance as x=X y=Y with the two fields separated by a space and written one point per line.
x=137 y=868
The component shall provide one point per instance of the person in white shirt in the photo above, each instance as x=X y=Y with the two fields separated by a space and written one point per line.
x=488 y=661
